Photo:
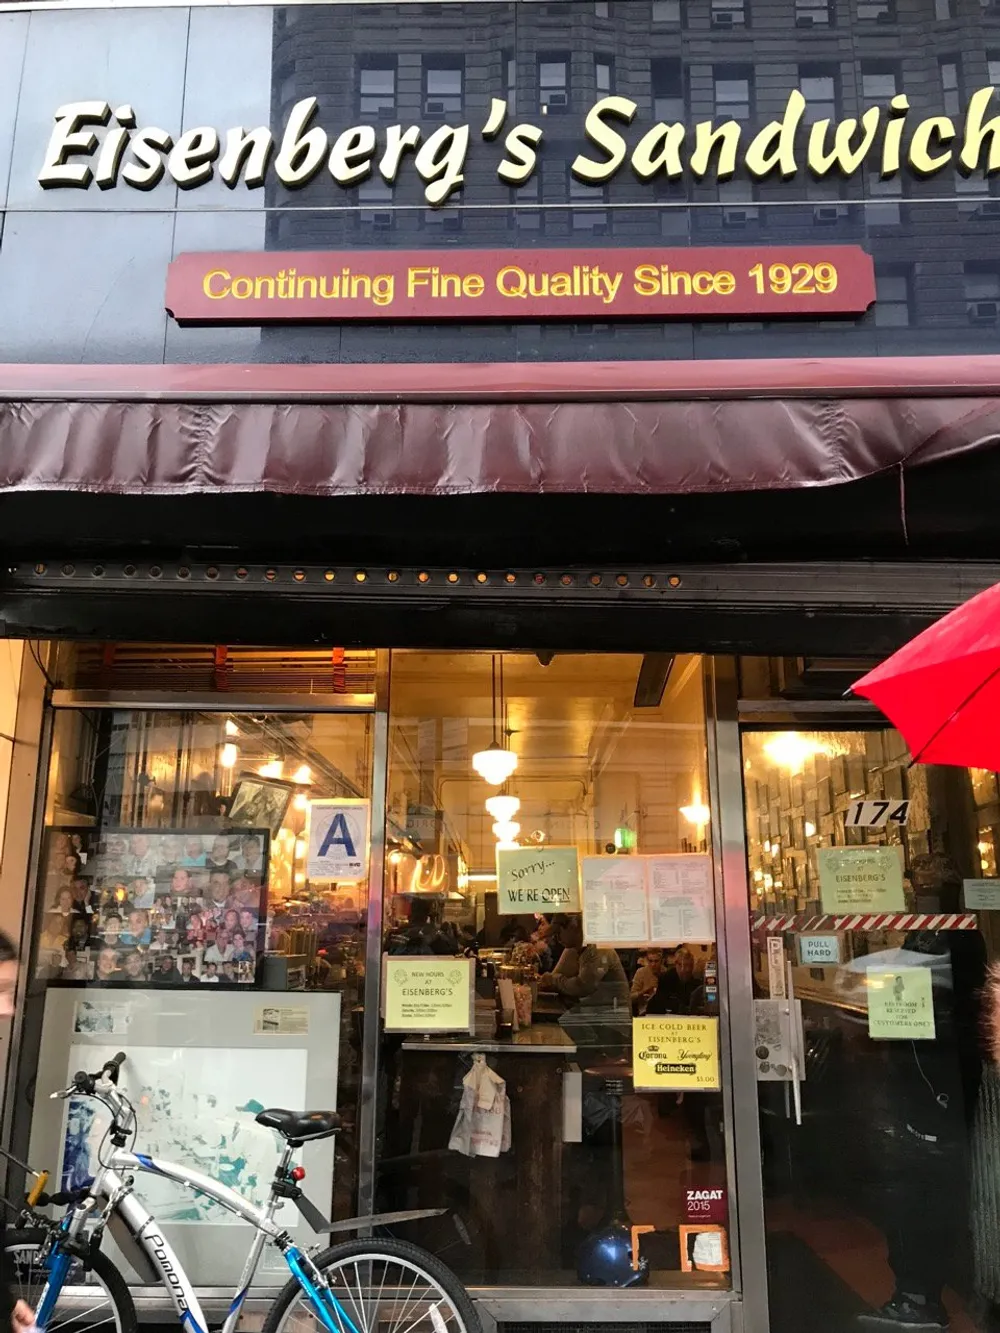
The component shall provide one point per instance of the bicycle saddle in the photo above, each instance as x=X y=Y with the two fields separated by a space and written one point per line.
x=298 y=1126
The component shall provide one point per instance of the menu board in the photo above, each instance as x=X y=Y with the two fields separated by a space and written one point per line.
x=632 y=901
x=615 y=903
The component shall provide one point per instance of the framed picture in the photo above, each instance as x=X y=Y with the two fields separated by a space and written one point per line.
x=260 y=802
x=152 y=907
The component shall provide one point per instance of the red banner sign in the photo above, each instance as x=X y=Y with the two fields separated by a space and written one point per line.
x=322 y=286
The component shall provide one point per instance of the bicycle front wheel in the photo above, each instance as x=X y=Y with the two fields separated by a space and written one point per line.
x=380 y=1286
x=94 y=1296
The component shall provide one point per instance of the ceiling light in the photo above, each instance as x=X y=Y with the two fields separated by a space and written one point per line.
x=494 y=764
x=508 y=846
x=790 y=750
x=303 y=775
x=231 y=728
x=506 y=830
x=696 y=813
x=502 y=807
x=301 y=801
x=810 y=829
x=272 y=769
x=228 y=755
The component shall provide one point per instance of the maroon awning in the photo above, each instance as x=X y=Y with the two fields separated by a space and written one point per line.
x=609 y=427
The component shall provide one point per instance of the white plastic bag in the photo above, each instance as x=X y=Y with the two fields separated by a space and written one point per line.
x=482 y=1126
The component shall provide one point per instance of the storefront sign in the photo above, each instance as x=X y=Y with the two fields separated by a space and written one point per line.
x=95 y=144
x=901 y=1004
x=531 y=879
x=338 y=840
x=675 y=1053
x=315 y=286
x=860 y=879
x=981 y=895
x=428 y=994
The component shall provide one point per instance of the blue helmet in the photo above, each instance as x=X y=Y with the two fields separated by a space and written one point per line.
x=605 y=1259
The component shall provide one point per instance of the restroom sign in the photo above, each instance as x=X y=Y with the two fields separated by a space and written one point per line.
x=338 y=840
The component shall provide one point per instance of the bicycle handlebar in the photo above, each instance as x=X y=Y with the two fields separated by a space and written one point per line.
x=87 y=1083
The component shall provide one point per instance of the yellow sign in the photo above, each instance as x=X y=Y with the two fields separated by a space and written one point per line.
x=535 y=879
x=901 y=1004
x=860 y=879
x=675 y=1053
x=428 y=994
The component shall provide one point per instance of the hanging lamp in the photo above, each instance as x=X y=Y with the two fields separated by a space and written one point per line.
x=496 y=763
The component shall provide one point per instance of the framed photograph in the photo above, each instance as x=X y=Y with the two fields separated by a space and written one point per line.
x=153 y=907
x=260 y=802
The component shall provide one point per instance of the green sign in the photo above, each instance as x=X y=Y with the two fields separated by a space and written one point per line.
x=537 y=879
x=428 y=994
x=901 y=1004
x=860 y=879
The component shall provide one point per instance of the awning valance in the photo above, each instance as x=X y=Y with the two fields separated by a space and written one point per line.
x=581 y=428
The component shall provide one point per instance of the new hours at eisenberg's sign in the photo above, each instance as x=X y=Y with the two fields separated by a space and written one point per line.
x=93 y=143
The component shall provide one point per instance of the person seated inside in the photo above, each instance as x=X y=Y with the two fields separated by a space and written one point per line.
x=592 y=975
x=646 y=979
x=423 y=935
x=676 y=986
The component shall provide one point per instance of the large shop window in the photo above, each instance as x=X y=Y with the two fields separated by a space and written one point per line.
x=550 y=1056
x=175 y=921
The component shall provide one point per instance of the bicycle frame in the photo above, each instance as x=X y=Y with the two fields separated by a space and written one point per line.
x=112 y=1194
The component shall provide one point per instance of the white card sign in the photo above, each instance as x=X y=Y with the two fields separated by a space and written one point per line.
x=981 y=895
x=338 y=840
x=876 y=814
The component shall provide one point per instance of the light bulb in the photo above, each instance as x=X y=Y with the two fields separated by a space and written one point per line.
x=696 y=813
x=502 y=807
x=303 y=775
x=810 y=829
x=508 y=846
x=231 y=728
x=494 y=764
x=272 y=769
x=790 y=750
x=229 y=754
x=506 y=830
x=300 y=847
x=301 y=801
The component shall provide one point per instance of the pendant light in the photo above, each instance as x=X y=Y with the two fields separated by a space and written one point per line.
x=496 y=763
x=502 y=808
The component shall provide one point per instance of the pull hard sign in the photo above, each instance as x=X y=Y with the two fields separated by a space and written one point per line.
x=305 y=287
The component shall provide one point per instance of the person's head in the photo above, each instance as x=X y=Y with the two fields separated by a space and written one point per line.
x=231 y=920
x=180 y=881
x=79 y=931
x=250 y=848
x=211 y=969
x=64 y=900
x=138 y=889
x=166 y=963
x=193 y=848
x=194 y=921
x=71 y=864
x=135 y=964
x=684 y=964
x=112 y=926
x=239 y=942
x=218 y=886
x=222 y=937
x=420 y=912
x=138 y=921
x=8 y=975
x=654 y=959
x=140 y=844
x=229 y=971
x=81 y=892
x=187 y=967
x=568 y=930
x=107 y=962
x=248 y=922
x=70 y=955
x=220 y=850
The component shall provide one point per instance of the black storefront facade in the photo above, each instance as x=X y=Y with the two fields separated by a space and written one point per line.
x=310 y=551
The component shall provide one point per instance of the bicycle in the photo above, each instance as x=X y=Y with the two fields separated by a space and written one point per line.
x=379 y=1285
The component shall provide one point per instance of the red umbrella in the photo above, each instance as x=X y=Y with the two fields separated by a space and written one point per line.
x=942 y=689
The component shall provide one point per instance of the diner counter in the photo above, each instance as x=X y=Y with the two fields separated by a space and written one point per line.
x=538 y=1039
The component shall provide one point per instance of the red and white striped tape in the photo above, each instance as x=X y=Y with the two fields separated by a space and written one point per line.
x=869 y=921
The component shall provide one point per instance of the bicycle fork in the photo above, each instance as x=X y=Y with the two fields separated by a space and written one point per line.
x=59 y=1260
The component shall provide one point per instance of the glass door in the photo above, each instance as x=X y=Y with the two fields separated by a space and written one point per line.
x=873 y=897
